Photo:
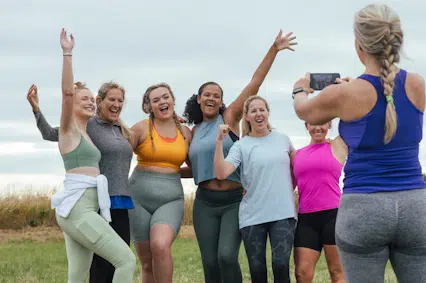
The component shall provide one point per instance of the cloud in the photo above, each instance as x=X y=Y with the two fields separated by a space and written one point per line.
x=183 y=43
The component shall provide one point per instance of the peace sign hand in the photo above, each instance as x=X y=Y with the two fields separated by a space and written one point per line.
x=284 y=42
x=67 y=44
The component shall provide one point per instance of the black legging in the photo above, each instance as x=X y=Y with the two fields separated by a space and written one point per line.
x=281 y=236
x=215 y=217
x=101 y=271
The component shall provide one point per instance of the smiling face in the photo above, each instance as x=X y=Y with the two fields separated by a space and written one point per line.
x=318 y=133
x=257 y=115
x=162 y=103
x=210 y=100
x=110 y=107
x=84 y=104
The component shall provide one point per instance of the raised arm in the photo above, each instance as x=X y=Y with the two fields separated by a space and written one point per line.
x=234 y=113
x=68 y=91
x=47 y=132
x=224 y=168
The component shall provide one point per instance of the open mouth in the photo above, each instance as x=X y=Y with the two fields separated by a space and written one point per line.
x=259 y=120
x=114 y=111
x=164 y=109
x=89 y=108
x=210 y=105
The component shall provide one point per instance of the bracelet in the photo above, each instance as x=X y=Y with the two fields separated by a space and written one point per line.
x=67 y=54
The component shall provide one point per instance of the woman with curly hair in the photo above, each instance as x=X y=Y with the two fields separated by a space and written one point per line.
x=215 y=212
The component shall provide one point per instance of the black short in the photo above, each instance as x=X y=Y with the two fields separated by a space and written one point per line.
x=316 y=229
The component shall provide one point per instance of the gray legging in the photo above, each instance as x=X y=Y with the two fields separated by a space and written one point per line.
x=86 y=232
x=373 y=228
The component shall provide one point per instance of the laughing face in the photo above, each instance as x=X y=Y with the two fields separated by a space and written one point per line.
x=318 y=133
x=110 y=107
x=84 y=104
x=210 y=101
x=258 y=115
x=162 y=103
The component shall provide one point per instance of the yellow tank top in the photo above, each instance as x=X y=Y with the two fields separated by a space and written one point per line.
x=170 y=153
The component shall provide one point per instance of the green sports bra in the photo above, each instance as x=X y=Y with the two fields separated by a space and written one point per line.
x=85 y=154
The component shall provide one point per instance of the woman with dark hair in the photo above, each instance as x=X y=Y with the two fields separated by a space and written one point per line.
x=215 y=212
x=381 y=121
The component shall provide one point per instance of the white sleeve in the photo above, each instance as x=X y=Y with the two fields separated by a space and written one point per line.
x=235 y=155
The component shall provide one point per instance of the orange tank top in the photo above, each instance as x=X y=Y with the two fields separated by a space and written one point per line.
x=170 y=153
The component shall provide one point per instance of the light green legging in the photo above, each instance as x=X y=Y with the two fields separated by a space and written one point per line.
x=86 y=232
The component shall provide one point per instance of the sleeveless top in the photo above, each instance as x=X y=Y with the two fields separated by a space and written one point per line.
x=373 y=166
x=317 y=174
x=85 y=154
x=202 y=149
x=168 y=152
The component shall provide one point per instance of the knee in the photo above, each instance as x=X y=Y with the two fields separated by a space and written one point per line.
x=280 y=264
x=227 y=258
x=160 y=249
x=128 y=262
x=304 y=274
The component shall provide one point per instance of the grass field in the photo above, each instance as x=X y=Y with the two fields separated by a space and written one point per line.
x=37 y=255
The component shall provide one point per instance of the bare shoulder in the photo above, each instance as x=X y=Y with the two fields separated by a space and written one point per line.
x=194 y=129
x=415 y=89
x=139 y=131
x=187 y=132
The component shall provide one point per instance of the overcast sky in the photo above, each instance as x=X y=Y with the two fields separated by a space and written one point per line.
x=183 y=43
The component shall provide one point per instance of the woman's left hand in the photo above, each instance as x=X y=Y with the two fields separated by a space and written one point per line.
x=304 y=83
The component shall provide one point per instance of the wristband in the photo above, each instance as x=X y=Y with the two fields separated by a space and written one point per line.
x=67 y=54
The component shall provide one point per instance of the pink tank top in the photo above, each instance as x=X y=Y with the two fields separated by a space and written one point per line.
x=317 y=174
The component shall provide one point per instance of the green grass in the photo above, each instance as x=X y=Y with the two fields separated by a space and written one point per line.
x=31 y=262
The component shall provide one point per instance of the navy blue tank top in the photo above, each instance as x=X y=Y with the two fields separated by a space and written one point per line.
x=373 y=166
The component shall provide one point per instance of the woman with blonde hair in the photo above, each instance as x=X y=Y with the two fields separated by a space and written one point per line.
x=381 y=121
x=161 y=144
x=85 y=188
x=267 y=209
x=112 y=137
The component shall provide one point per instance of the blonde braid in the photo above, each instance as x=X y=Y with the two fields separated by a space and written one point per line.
x=387 y=76
x=178 y=125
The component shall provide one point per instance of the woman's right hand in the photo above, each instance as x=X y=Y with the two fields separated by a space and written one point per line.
x=223 y=131
x=67 y=44
x=32 y=97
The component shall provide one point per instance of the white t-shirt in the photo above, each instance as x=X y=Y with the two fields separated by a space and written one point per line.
x=266 y=176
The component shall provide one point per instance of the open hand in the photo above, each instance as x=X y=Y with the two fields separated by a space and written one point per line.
x=284 y=42
x=223 y=131
x=67 y=44
x=32 y=97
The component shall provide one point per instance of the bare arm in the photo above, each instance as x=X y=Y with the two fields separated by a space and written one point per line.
x=339 y=149
x=67 y=121
x=234 y=112
x=186 y=172
x=293 y=178
x=322 y=108
x=222 y=168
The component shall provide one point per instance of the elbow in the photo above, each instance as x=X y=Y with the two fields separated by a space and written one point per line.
x=220 y=176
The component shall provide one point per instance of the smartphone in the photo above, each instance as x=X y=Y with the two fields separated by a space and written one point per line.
x=320 y=81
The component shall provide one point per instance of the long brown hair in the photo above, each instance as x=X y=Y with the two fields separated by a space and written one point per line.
x=146 y=107
x=379 y=34
x=102 y=93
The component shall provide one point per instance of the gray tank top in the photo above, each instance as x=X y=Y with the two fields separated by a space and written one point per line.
x=201 y=151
